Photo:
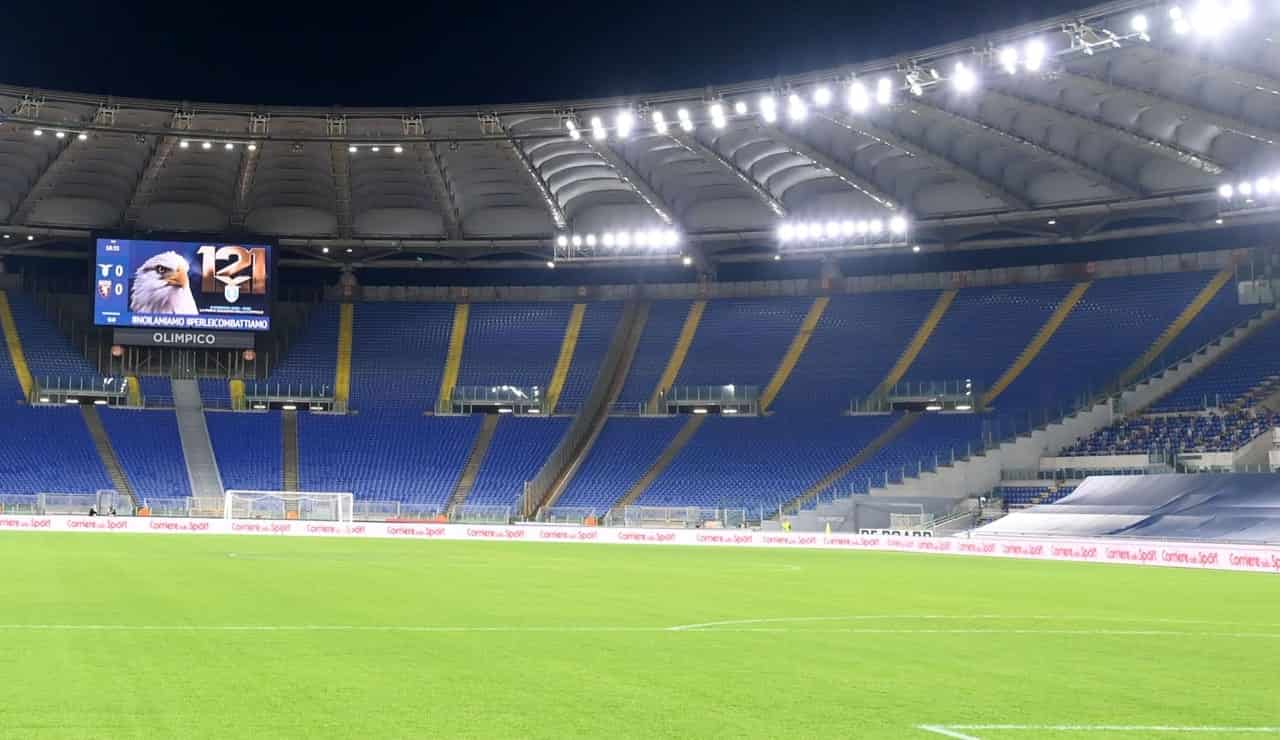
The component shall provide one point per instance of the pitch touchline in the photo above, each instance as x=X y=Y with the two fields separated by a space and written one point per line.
x=973 y=617
x=607 y=629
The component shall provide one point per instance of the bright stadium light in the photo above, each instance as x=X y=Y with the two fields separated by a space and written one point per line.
x=252 y=147
x=399 y=149
x=686 y=123
x=796 y=109
x=591 y=240
x=822 y=96
x=184 y=144
x=859 y=100
x=1226 y=191
x=1139 y=23
x=351 y=150
x=861 y=228
x=884 y=91
x=228 y=146
x=572 y=128
x=1035 y=55
x=82 y=136
x=963 y=79
x=846 y=228
x=801 y=231
x=898 y=225
x=1245 y=189
x=1240 y=10
x=916 y=249
x=740 y=107
x=551 y=266
x=641 y=238
x=624 y=239
x=832 y=229
x=38 y=132
x=576 y=240
x=659 y=122
x=1262 y=186
x=206 y=145
x=1009 y=59
x=623 y=123
x=686 y=261
x=562 y=241
x=607 y=240
x=716 y=110
x=59 y=134
x=768 y=109
x=597 y=129
x=877 y=226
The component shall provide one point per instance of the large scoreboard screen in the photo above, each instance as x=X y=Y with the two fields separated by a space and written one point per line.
x=182 y=285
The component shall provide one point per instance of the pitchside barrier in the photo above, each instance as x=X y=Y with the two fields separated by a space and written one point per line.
x=1250 y=558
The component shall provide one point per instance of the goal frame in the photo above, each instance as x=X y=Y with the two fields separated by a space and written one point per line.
x=344 y=507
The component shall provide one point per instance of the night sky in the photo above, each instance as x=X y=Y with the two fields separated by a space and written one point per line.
x=465 y=52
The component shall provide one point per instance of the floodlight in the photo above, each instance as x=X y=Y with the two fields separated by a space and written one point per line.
x=859 y=100
x=769 y=109
x=822 y=96
x=1035 y=54
x=884 y=91
x=963 y=79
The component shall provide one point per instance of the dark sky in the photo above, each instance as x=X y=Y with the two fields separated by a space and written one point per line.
x=468 y=51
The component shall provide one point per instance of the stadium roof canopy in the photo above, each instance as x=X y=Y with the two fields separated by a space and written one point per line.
x=1123 y=118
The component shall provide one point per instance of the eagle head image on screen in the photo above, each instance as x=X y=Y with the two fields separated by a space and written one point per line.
x=162 y=285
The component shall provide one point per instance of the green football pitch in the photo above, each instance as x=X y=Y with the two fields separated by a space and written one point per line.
x=113 y=635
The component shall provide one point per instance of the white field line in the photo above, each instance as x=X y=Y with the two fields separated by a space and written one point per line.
x=1064 y=618
x=959 y=731
x=249 y=628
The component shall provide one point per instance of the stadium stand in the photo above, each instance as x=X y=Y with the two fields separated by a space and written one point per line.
x=520 y=445
x=1023 y=496
x=398 y=354
x=598 y=325
x=247 y=448
x=499 y=332
x=1228 y=382
x=1177 y=434
x=931 y=442
x=157 y=391
x=149 y=450
x=661 y=330
x=621 y=455
x=856 y=341
x=312 y=357
x=215 y=392
x=385 y=455
x=48 y=450
x=49 y=354
x=741 y=341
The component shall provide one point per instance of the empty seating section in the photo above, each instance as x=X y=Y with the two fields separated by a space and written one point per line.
x=10 y=388
x=247 y=447
x=520 y=446
x=740 y=341
x=1218 y=317
x=312 y=357
x=622 y=454
x=1117 y=320
x=149 y=450
x=1021 y=496
x=1252 y=363
x=513 y=344
x=49 y=353
x=1176 y=434
x=385 y=455
x=48 y=450
x=215 y=393
x=856 y=343
x=398 y=354
x=759 y=462
x=661 y=330
x=932 y=441
x=156 y=390
x=984 y=331
x=598 y=325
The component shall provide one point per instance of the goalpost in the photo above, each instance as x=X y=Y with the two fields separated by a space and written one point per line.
x=306 y=505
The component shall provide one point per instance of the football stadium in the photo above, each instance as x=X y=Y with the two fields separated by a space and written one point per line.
x=934 y=396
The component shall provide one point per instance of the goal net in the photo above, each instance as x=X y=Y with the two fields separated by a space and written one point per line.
x=305 y=505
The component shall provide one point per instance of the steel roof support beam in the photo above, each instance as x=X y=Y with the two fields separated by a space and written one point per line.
x=441 y=191
x=855 y=181
x=1103 y=127
x=43 y=183
x=259 y=123
x=144 y=189
x=553 y=205
x=340 y=165
x=1185 y=110
x=1066 y=161
x=864 y=127
x=634 y=180
x=695 y=146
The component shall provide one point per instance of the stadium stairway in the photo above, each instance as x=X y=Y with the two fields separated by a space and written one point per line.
x=562 y=465
x=567 y=347
x=678 y=354
x=135 y=390
x=1037 y=343
x=197 y=448
x=457 y=339
x=475 y=458
x=682 y=438
x=13 y=342
x=1175 y=329
x=342 y=371
x=235 y=389
x=107 y=453
x=793 y=353
x=289 y=448
x=918 y=341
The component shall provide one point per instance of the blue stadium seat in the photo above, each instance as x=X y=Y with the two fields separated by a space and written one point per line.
x=48 y=450
x=248 y=449
x=149 y=450
x=520 y=446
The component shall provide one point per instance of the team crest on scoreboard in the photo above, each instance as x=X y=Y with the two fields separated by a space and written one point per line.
x=231 y=292
x=104 y=288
